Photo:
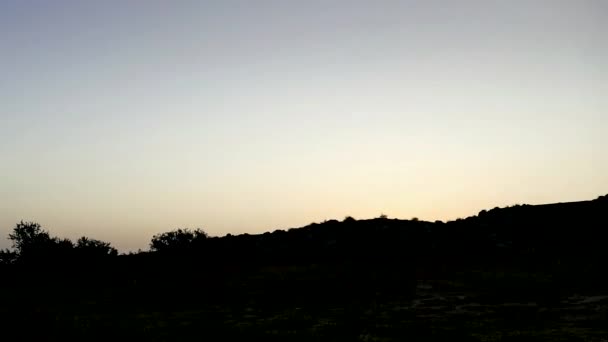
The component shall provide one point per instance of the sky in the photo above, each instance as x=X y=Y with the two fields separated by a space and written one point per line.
x=123 y=119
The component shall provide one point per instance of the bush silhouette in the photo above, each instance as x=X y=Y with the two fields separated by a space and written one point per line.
x=94 y=248
x=7 y=257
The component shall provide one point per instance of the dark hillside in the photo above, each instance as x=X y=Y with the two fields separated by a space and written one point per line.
x=336 y=280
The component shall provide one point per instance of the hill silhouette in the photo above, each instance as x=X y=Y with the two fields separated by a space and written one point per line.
x=327 y=281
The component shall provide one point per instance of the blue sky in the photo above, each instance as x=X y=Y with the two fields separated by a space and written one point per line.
x=121 y=119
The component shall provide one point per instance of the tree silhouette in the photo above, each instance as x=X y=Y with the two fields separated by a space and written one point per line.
x=178 y=240
x=26 y=235
x=31 y=242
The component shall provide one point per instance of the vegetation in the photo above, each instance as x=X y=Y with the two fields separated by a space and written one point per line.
x=507 y=273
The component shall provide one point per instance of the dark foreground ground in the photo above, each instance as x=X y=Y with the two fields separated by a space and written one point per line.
x=432 y=310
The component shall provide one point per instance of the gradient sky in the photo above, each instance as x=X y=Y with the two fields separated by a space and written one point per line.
x=122 y=119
